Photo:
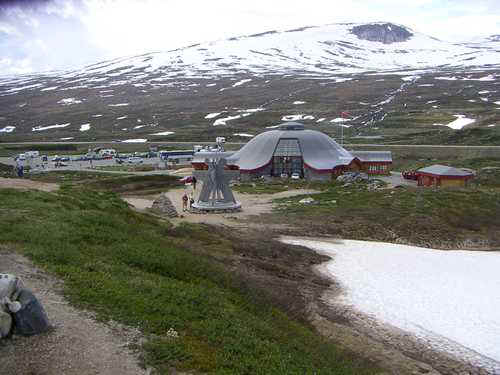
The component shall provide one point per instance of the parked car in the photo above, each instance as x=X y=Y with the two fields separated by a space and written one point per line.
x=134 y=160
x=284 y=175
x=295 y=176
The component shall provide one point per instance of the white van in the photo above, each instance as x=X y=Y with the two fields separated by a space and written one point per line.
x=107 y=152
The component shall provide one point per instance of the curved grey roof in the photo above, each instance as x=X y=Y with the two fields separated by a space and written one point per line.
x=319 y=151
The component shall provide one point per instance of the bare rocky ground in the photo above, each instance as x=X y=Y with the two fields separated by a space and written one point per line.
x=23 y=184
x=253 y=205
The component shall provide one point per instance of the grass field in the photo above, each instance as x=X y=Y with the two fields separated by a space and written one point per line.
x=442 y=218
x=137 y=270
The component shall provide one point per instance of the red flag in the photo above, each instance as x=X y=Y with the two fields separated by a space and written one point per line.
x=344 y=114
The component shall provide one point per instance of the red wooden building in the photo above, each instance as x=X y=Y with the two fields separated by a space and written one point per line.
x=443 y=175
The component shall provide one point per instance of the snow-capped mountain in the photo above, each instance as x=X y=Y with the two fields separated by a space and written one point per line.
x=330 y=49
x=378 y=71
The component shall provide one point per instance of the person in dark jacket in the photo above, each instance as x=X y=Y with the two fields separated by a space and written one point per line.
x=194 y=183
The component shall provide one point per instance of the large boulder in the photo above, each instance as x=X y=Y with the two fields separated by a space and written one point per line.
x=164 y=206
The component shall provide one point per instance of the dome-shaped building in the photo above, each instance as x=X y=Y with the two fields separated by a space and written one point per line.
x=289 y=148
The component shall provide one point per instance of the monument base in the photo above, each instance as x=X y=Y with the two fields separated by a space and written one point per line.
x=218 y=207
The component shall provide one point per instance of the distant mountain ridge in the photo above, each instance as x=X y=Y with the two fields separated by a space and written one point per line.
x=343 y=48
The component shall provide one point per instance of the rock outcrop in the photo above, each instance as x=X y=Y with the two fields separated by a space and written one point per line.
x=164 y=206
x=386 y=33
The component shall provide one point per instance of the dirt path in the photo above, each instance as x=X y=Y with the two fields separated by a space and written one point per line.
x=22 y=184
x=78 y=345
x=252 y=205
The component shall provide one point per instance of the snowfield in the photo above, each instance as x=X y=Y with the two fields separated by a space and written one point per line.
x=449 y=298
x=460 y=122
x=40 y=128
x=139 y=140
x=7 y=129
x=84 y=127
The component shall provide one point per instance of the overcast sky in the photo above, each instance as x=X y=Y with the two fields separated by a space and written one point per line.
x=54 y=34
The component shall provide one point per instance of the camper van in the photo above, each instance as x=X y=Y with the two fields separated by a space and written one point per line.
x=107 y=152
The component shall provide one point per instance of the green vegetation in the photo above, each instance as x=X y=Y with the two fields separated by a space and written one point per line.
x=43 y=148
x=6 y=170
x=127 y=168
x=68 y=177
x=277 y=185
x=135 y=269
x=429 y=217
x=138 y=185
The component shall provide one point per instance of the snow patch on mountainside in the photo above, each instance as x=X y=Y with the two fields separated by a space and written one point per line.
x=7 y=129
x=41 y=128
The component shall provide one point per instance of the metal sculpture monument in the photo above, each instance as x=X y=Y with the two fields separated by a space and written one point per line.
x=216 y=194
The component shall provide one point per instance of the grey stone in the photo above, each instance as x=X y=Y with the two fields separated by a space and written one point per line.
x=163 y=205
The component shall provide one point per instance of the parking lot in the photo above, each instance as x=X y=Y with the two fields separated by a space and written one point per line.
x=37 y=165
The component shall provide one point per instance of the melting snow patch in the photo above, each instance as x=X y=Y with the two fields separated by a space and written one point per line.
x=446 y=298
x=122 y=117
x=163 y=133
x=340 y=119
x=40 y=128
x=243 y=81
x=297 y=117
x=426 y=85
x=487 y=78
x=222 y=121
x=67 y=138
x=251 y=110
x=96 y=115
x=483 y=92
x=119 y=105
x=69 y=101
x=431 y=101
x=460 y=122
x=410 y=78
x=139 y=126
x=484 y=99
x=321 y=119
x=7 y=129
x=243 y=135
x=297 y=102
x=140 y=140
x=84 y=127
x=497 y=103
x=49 y=88
x=447 y=78
x=213 y=115
x=490 y=126
x=211 y=85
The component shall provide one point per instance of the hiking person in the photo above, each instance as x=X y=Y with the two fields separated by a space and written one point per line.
x=191 y=201
x=194 y=183
x=184 y=202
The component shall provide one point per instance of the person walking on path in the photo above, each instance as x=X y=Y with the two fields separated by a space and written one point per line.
x=194 y=183
x=184 y=202
x=191 y=201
